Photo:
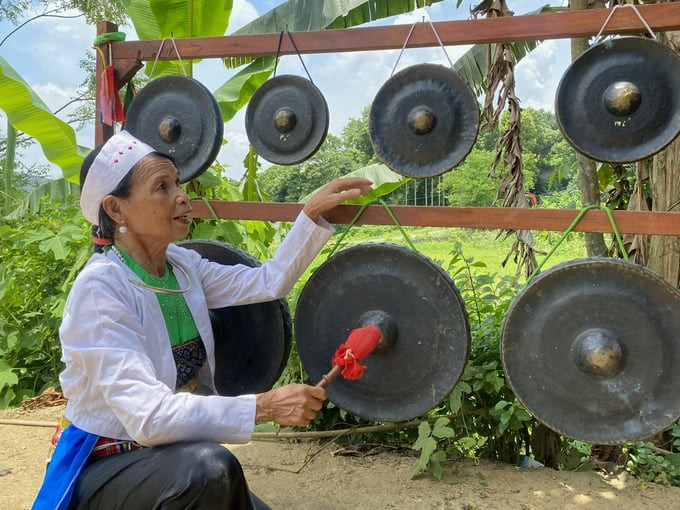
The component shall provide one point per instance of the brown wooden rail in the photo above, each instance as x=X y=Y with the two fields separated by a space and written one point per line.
x=128 y=58
x=627 y=222
x=660 y=17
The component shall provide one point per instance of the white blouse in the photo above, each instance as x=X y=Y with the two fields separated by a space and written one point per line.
x=120 y=371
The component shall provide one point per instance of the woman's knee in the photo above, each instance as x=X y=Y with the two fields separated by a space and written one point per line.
x=215 y=466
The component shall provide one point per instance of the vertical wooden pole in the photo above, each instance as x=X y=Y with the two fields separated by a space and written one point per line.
x=102 y=132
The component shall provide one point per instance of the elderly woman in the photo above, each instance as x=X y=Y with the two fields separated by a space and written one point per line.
x=143 y=425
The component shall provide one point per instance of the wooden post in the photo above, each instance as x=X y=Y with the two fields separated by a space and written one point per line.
x=102 y=132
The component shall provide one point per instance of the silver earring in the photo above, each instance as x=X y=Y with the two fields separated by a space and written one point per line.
x=122 y=229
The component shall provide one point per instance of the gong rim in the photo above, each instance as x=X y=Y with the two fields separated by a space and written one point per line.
x=432 y=341
x=451 y=134
x=305 y=101
x=542 y=349
x=196 y=114
x=581 y=110
x=252 y=342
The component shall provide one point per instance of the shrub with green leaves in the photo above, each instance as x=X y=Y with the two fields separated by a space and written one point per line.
x=40 y=255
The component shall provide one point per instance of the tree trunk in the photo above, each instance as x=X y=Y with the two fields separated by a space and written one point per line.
x=664 y=251
x=587 y=170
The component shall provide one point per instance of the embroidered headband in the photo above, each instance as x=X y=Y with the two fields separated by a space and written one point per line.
x=118 y=155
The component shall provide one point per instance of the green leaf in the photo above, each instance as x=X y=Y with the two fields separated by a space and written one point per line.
x=7 y=376
x=158 y=19
x=28 y=113
x=235 y=93
x=384 y=182
x=440 y=429
x=305 y=15
x=424 y=433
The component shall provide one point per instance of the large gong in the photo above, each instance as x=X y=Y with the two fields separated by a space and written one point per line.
x=424 y=120
x=591 y=348
x=252 y=342
x=287 y=120
x=416 y=305
x=618 y=102
x=179 y=117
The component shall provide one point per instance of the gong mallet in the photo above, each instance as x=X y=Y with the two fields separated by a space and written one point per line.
x=360 y=343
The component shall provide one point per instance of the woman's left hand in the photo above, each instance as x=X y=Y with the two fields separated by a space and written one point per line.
x=334 y=193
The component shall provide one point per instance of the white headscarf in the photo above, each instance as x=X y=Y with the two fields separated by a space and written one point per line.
x=118 y=155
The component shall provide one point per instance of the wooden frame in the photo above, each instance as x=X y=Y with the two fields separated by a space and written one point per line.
x=128 y=57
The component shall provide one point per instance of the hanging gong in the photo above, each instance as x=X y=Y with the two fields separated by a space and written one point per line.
x=591 y=348
x=287 y=120
x=424 y=121
x=252 y=342
x=179 y=117
x=419 y=311
x=618 y=101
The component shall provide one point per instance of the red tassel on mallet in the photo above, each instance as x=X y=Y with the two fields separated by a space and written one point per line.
x=360 y=343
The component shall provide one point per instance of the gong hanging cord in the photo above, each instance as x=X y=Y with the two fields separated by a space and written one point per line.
x=297 y=51
x=408 y=37
x=570 y=228
x=358 y=215
x=611 y=13
x=160 y=48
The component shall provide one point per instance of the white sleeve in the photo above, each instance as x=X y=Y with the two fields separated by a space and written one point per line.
x=108 y=371
x=240 y=285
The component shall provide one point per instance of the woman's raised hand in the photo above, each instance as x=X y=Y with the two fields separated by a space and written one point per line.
x=334 y=193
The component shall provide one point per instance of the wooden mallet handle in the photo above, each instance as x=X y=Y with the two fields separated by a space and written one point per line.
x=329 y=377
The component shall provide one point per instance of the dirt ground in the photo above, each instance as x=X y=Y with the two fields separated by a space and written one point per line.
x=323 y=476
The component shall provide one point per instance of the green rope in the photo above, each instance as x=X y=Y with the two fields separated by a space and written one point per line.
x=108 y=37
x=349 y=227
x=356 y=218
x=573 y=224
x=396 y=222
x=617 y=234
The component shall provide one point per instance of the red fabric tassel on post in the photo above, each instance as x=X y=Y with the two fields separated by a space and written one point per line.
x=360 y=343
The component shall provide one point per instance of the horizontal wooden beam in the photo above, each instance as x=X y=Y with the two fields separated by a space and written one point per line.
x=627 y=222
x=660 y=17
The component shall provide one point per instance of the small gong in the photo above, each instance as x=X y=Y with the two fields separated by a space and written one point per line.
x=287 y=120
x=421 y=315
x=618 y=101
x=591 y=348
x=179 y=117
x=252 y=342
x=424 y=121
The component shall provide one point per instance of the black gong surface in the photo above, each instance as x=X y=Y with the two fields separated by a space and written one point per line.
x=424 y=121
x=606 y=134
x=178 y=116
x=591 y=348
x=287 y=119
x=252 y=342
x=430 y=349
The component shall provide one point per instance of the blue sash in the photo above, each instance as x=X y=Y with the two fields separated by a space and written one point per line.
x=69 y=459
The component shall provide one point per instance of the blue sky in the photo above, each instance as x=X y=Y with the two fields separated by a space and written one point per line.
x=46 y=53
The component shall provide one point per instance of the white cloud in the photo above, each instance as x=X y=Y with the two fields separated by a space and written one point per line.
x=538 y=74
x=242 y=13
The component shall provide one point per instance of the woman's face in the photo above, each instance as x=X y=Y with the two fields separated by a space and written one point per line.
x=157 y=210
